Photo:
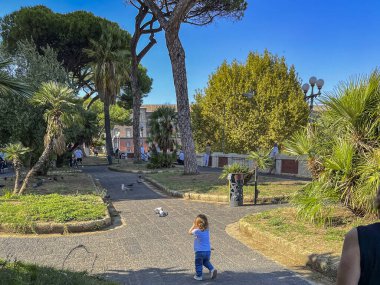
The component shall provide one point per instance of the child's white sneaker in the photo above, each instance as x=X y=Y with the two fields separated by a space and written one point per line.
x=198 y=278
x=213 y=273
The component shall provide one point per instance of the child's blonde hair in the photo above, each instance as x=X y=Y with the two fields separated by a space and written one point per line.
x=201 y=222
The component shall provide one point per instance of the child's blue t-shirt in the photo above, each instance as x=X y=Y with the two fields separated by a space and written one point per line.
x=201 y=240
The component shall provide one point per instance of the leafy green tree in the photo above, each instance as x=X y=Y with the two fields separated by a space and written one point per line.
x=109 y=63
x=276 y=110
x=34 y=68
x=84 y=130
x=59 y=103
x=68 y=34
x=162 y=125
x=144 y=84
x=23 y=121
x=118 y=115
x=170 y=15
x=343 y=145
x=15 y=152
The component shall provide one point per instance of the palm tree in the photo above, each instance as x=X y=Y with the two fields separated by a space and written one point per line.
x=60 y=108
x=163 y=124
x=8 y=84
x=14 y=152
x=261 y=159
x=343 y=146
x=109 y=64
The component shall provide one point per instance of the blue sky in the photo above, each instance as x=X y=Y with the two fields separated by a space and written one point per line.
x=331 y=39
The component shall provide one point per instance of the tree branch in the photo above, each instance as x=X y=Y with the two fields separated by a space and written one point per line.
x=152 y=31
x=157 y=13
x=149 y=23
x=88 y=95
x=92 y=101
x=145 y=50
x=180 y=12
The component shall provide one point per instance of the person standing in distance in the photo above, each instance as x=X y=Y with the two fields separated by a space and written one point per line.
x=274 y=152
x=207 y=154
x=78 y=154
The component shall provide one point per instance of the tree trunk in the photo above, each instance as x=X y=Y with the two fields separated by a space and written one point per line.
x=107 y=128
x=41 y=161
x=177 y=58
x=16 y=164
x=43 y=170
x=136 y=95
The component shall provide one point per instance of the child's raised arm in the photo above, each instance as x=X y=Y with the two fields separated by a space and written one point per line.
x=192 y=228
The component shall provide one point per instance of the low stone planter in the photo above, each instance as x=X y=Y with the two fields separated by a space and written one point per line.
x=58 y=228
x=323 y=263
x=215 y=198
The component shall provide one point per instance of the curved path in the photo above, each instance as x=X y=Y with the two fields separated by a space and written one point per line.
x=150 y=250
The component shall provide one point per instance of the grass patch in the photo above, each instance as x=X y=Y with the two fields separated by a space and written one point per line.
x=283 y=223
x=58 y=182
x=95 y=160
x=269 y=186
x=60 y=198
x=18 y=273
x=28 y=209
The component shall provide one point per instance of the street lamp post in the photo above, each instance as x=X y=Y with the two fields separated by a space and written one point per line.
x=248 y=95
x=305 y=88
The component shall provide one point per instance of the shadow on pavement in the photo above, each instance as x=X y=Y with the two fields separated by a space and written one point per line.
x=174 y=276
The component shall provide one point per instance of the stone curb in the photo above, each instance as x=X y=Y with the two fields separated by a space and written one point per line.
x=214 y=198
x=323 y=263
x=130 y=171
x=137 y=171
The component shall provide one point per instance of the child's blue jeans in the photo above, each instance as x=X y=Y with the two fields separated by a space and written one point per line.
x=202 y=258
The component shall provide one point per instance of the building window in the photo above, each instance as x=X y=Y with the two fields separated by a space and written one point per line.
x=129 y=135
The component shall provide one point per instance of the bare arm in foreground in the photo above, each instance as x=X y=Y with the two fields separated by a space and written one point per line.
x=349 y=267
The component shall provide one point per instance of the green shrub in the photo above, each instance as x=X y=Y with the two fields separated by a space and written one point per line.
x=161 y=160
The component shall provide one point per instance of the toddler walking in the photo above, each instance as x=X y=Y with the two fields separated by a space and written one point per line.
x=202 y=247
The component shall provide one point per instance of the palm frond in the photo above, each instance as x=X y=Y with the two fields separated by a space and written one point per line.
x=10 y=85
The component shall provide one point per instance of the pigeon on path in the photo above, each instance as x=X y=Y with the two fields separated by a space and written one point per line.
x=124 y=188
x=161 y=212
x=140 y=180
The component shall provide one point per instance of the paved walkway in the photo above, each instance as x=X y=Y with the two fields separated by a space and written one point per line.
x=150 y=250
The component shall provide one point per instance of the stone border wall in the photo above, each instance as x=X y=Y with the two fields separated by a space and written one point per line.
x=285 y=164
